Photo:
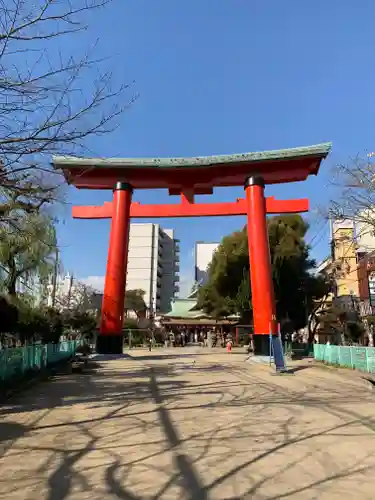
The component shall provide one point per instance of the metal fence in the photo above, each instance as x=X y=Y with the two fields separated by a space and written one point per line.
x=298 y=348
x=16 y=361
x=360 y=358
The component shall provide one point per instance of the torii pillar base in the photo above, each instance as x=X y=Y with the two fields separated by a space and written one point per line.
x=109 y=344
x=261 y=345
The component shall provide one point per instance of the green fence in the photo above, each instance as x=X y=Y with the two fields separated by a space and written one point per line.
x=17 y=361
x=360 y=358
x=298 y=348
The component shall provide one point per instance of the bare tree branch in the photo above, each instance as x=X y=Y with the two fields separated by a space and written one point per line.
x=44 y=106
x=355 y=183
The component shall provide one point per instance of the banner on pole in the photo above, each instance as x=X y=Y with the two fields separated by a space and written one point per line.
x=278 y=353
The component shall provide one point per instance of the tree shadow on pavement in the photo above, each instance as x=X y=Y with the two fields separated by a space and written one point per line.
x=96 y=387
x=10 y=431
x=162 y=356
x=187 y=475
x=156 y=405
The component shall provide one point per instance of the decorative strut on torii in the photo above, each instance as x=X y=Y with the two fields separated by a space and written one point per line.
x=188 y=177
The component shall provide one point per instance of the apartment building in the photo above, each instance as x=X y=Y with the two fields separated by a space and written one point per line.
x=204 y=252
x=153 y=265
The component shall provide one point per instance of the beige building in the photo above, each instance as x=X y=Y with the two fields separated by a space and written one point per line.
x=350 y=241
x=345 y=258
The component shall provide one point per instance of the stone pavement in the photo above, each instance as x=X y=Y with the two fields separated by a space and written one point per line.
x=181 y=425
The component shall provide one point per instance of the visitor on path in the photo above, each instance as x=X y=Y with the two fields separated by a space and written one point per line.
x=250 y=350
x=229 y=345
x=149 y=344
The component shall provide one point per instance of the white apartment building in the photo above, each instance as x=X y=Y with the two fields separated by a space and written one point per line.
x=153 y=265
x=203 y=256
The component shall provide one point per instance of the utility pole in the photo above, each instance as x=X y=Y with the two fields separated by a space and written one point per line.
x=71 y=278
x=331 y=238
x=55 y=274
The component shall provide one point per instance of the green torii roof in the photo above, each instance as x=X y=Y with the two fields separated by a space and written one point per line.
x=321 y=150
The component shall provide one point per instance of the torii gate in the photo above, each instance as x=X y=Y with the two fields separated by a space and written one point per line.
x=188 y=177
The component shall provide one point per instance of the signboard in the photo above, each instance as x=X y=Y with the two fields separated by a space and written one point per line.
x=371 y=287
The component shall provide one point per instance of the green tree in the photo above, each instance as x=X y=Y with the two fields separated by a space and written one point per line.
x=84 y=322
x=26 y=250
x=228 y=289
x=134 y=301
x=223 y=293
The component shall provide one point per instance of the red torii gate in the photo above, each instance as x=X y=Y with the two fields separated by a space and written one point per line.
x=188 y=177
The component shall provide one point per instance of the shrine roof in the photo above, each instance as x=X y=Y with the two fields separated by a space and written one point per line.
x=184 y=308
x=71 y=162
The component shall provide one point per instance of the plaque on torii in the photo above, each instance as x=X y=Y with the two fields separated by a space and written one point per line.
x=188 y=177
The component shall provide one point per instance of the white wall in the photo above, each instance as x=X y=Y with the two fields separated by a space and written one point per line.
x=364 y=233
x=365 y=237
x=141 y=261
x=203 y=256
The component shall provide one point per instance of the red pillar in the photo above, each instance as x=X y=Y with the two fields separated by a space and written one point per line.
x=264 y=310
x=115 y=279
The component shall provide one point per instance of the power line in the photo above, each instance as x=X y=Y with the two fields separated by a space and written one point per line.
x=318 y=236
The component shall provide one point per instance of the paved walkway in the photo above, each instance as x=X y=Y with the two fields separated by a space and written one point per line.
x=169 y=426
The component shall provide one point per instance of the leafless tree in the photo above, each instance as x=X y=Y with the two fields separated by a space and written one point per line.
x=355 y=183
x=44 y=107
x=23 y=196
x=78 y=297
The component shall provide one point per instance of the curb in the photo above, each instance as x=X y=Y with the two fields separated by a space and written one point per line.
x=353 y=375
x=347 y=373
x=42 y=376
x=23 y=387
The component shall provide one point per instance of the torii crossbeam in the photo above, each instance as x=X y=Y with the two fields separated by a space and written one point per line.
x=190 y=209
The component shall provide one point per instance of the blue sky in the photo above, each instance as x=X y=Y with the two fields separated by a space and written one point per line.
x=218 y=77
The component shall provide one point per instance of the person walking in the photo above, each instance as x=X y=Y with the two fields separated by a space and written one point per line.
x=229 y=344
